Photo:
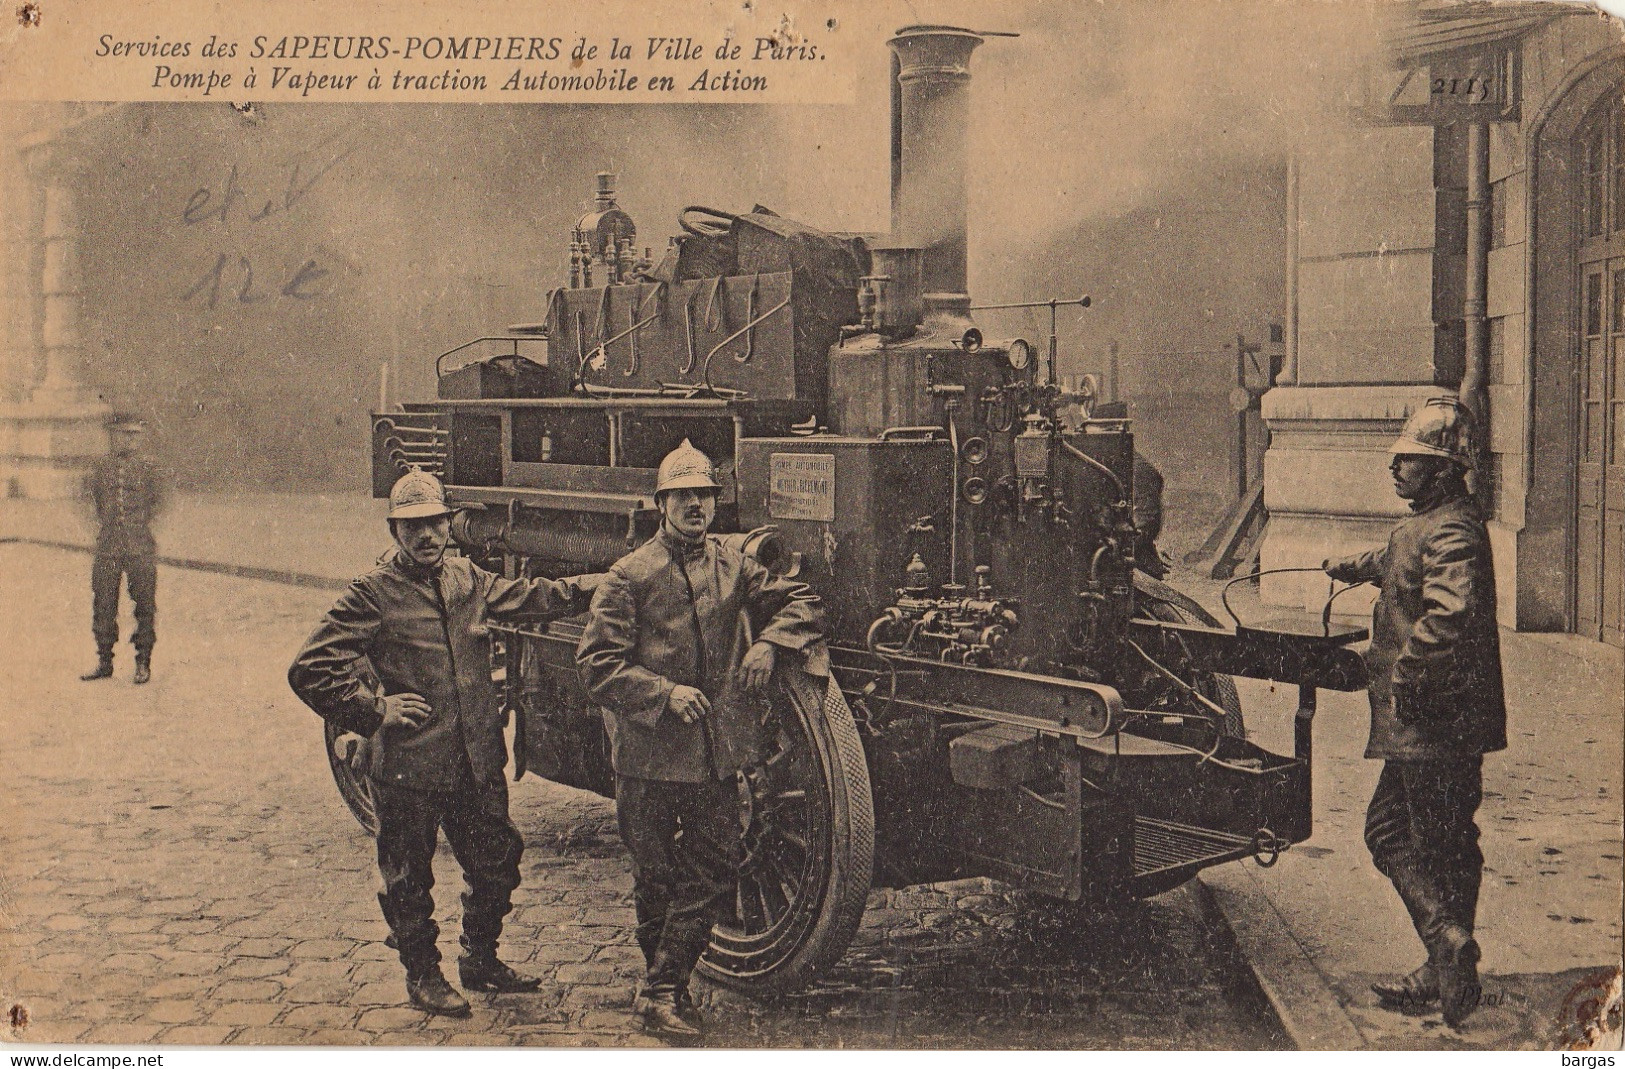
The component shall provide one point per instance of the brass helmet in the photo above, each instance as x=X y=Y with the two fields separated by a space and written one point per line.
x=1440 y=428
x=417 y=495
x=686 y=468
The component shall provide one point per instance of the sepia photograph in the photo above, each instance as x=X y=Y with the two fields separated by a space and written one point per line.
x=918 y=525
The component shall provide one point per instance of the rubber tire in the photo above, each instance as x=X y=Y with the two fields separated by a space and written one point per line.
x=842 y=883
x=1159 y=601
x=354 y=789
x=1221 y=691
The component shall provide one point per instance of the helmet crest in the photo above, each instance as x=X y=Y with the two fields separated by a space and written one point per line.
x=1440 y=428
x=417 y=495
x=686 y=468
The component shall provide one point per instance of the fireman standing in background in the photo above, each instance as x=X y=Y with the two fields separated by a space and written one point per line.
x=435 y=752
x=1148 y=518
x=667 y=655
x=1436 y=703
x=1147 y=491
x=127 y=493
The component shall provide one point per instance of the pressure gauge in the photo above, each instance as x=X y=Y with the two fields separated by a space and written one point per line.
x=1021 y=354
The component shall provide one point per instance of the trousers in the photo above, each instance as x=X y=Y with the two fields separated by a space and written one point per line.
x=685 y=841
x=1421 y=834
x=140 y=571
x=483 y=840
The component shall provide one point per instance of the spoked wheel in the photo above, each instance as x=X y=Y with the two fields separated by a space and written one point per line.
x=354 y=787
x=809 y=845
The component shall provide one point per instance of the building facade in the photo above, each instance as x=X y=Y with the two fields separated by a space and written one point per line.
x=1408 y=274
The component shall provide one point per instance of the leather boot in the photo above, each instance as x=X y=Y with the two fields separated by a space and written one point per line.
x=104 y=666
x=430 y=992
x=1418 y=989
x=143 y=668
x=1459 y=989
x=687 y=1010
x=484 y=972
x=389 y=918
x=657 y=1010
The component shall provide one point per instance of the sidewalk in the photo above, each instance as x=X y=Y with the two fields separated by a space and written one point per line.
x=1322 y=924
x=1319 y=926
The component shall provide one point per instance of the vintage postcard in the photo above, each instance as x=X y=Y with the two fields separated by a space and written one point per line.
x=920 y=524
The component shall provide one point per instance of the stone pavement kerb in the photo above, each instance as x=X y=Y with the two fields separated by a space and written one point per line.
x=1318 y=926
x=1322 y=924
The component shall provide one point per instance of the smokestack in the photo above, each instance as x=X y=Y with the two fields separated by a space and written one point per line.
x=930 y=117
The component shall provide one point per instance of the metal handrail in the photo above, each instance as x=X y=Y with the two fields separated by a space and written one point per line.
x=1326 y=611
x=515 y=338
x=751 y=325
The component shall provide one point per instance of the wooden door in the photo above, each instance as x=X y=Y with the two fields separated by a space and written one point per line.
x=1599 y=542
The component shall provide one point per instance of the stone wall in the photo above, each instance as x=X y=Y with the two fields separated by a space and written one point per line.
x=1370 y=286
x=1566 y=67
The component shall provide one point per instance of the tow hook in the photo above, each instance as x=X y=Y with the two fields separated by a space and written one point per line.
x=1268 y=847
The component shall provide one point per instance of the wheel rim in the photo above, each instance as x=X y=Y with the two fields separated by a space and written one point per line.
x=786 y=859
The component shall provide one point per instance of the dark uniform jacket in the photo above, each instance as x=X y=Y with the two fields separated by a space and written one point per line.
x=646 y=636
x=1435 y=656
x=127 y=492
x=1147 y=517
x=424 y=632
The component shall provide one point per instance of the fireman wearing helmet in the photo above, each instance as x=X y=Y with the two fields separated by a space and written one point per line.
x=404 y=659
x=668 y=655
x=1436 y=703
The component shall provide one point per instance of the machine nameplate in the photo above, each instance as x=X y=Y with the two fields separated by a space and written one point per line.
x=802 y=487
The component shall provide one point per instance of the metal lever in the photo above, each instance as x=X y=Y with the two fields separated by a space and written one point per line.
x=1052 y=304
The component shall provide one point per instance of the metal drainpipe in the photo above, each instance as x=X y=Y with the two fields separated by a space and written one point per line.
x=1475 y=305
x=1289 y=362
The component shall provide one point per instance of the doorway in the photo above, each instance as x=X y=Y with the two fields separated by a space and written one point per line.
x=1599 y=450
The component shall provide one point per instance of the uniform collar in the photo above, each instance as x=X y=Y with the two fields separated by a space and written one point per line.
x=409 y=567
x=681 y=548
x=1445 y=492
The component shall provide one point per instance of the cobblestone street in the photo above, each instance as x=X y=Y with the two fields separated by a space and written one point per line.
x=179 y=869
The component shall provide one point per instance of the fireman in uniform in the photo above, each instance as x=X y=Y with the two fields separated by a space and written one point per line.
x=404 y=659
x=667 y=654
x=127 y=493
x=1148 y=518
x=1436 y=703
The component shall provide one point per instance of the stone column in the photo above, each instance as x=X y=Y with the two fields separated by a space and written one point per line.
x=1326 y=483
x=18 y=230
x=52 y=435
x=1362 y=342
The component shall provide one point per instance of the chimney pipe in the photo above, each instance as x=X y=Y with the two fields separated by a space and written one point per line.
x=930 y=116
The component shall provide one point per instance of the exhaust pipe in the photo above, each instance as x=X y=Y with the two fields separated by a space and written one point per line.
x=930 y=104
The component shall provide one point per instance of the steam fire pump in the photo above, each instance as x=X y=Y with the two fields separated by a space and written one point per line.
x=1010 y=695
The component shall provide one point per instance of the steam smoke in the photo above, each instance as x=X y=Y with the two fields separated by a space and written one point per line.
x=1094 y=110
x=1132 y=149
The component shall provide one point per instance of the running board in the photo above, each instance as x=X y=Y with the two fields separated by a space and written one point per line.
x=1167 y=853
